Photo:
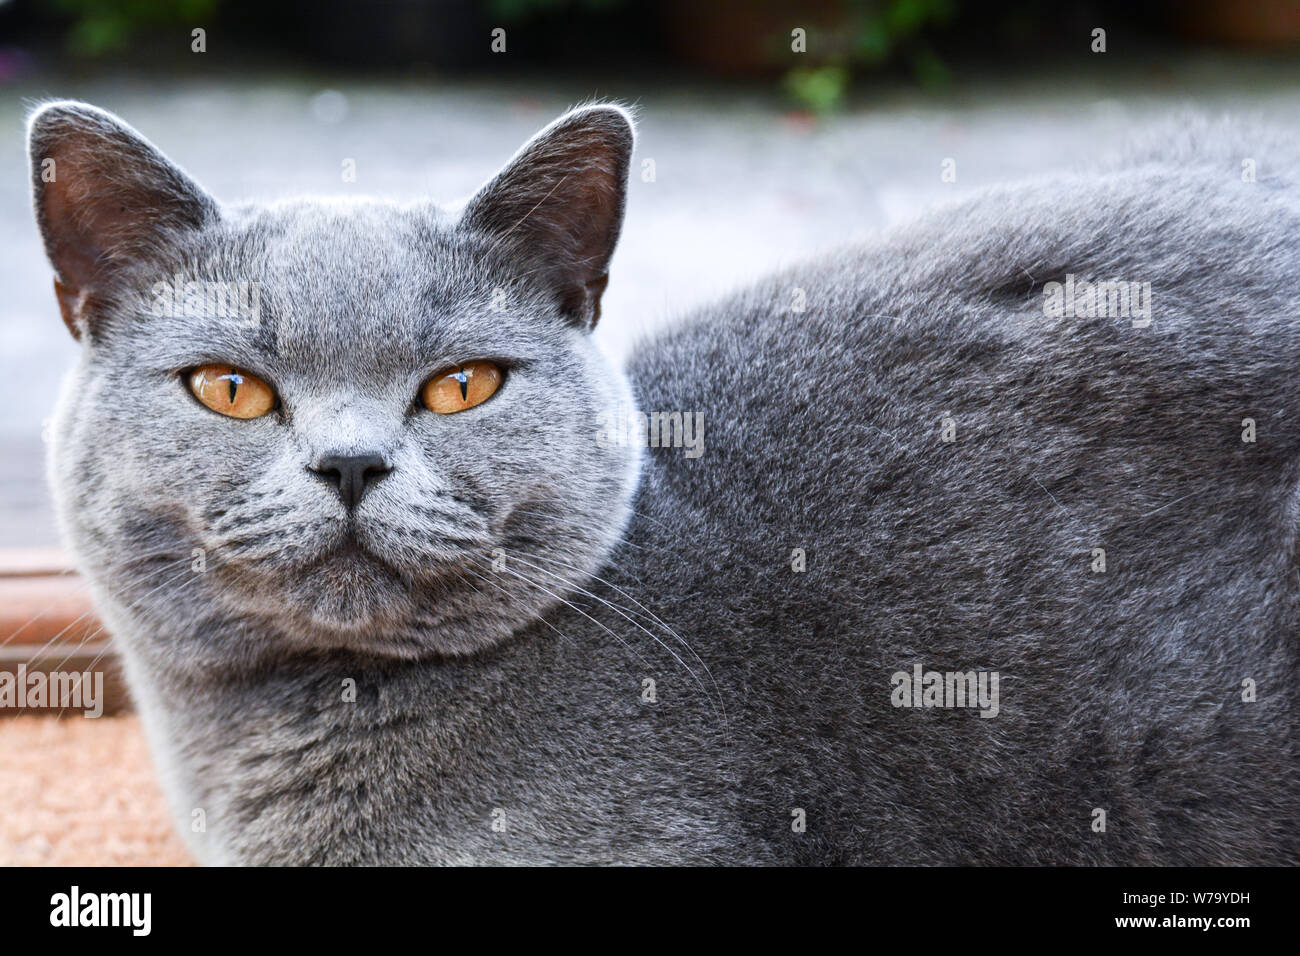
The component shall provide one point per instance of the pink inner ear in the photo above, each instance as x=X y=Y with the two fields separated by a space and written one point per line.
x=561 y=200
x=70 y=304
x=84 y=217
x=112 y=196
x=595 y=289
x=67 y=221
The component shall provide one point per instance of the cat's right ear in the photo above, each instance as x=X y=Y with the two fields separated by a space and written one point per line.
x=104 y=197
x=558 y=205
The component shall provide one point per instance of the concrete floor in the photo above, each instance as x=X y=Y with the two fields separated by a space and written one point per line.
x=741 y=185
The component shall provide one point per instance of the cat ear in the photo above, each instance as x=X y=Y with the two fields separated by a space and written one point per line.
x=104 y=198
x=558 y=205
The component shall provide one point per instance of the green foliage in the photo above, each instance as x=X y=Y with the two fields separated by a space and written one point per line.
x=820 y=89
x=106 y=26
x=887 y=31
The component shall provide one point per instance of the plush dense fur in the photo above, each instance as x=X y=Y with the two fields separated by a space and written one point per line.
x=501 y=712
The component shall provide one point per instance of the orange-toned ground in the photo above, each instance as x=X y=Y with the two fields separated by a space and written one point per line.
x=81 y=792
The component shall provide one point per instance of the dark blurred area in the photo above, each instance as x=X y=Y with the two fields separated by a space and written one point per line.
x=927 y=43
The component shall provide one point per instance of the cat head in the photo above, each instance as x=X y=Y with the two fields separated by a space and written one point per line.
x=334 y=424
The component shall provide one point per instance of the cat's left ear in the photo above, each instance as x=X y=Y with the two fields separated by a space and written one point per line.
x=558 y=205
x=104 y=198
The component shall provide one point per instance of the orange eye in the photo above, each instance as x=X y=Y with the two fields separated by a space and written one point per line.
x=461 y=387
x=231 y=392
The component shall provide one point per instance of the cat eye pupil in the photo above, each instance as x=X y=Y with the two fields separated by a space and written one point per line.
x=235 y=381
x=461 y=387
x=233 y=393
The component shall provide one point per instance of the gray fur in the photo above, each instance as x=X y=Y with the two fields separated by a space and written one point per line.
x=520 y=689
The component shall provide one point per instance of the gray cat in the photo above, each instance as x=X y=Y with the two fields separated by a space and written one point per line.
x=976 y=544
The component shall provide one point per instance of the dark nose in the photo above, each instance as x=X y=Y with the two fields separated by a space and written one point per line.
x=352 y=475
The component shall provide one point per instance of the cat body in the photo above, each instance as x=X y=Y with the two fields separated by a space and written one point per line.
x=538 y=640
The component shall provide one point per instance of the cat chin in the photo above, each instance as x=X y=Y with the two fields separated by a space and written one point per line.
x=389 y=633
x=349 y=593
x=354 y=602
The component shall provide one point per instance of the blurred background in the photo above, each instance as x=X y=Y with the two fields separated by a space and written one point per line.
x=769 y=128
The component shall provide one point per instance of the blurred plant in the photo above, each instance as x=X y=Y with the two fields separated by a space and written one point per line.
x=889 y=27
x=820 y=89
x=106 y=26
x=883 y=32
x=896 y=29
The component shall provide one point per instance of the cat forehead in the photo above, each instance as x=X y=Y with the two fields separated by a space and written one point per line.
x=304 y=278
x=361 y=240
x=350 y=257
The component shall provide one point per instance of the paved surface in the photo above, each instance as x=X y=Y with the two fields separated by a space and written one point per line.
x=77 y=792
x=741 y=185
